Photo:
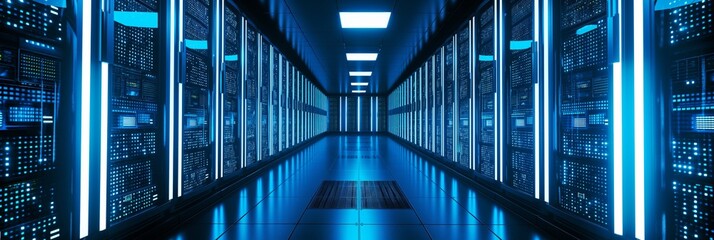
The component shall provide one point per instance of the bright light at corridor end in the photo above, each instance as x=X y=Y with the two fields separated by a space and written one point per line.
x=359 y=84
x=362 y=56
x=360 y=74
x=359 y=91
x=364 y=19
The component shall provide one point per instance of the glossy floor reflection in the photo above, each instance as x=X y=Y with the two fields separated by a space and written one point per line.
x=275 y=205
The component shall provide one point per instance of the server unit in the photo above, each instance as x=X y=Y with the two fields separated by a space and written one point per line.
x=31 y=69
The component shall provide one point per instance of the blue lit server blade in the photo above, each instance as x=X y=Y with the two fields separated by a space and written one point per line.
x=487 y=88
x=691 y=81
x=196 y=167
x=520 y=117
x=264 y=100
x=231 y=90
x=251 y=95
x=583 y=160
x=30 y=69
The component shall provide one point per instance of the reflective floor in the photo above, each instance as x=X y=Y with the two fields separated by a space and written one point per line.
x=275 y=205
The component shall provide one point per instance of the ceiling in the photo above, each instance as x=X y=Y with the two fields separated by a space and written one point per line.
x=312 y=28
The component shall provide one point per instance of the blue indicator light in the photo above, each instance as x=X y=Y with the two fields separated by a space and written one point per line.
x=197 y=44
x=485 y=58
x=137 y=19
x=231 y=58
x=520 y=45
x=586 y=28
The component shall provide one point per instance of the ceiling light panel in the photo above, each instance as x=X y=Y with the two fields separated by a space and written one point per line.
x=360 y=74
x=359 y=91
x=360 y=84
x=365 y=19
x=362 y=57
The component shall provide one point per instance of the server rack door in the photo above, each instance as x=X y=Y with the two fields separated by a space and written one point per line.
x=275 y=101
x=584 y=158
x=686 y=63
x=283 y=102
x=31 y=67
x=450 y=100
x=252 y=52
x=463 y=76
x=264 y=91
x=132 y=104
x=232 y=90
x=487 y=91
x=520 y=101
x=195 y=110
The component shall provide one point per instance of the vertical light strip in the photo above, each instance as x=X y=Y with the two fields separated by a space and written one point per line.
x=216 y=89
x=496 y=145
x=617 y=131
x=472 y=98
x=85 y=118
x=536 y=93
x=617 y=145
x=501 y=78
x=455 y=107
x=172 y=57
x=377 y=103
x=639 y=56
x=222 y=59
x=180 y=140
x=103 y=150
x=341 y=126
x=496 y=111
x=242 y=96
x=546 y=100
x=179 y=190
x=371 y=115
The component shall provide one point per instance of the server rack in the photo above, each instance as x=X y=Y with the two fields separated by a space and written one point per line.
x=521 y=82
x=196 y=92
x=31 y=71
x=232 y=93
x=685 y=68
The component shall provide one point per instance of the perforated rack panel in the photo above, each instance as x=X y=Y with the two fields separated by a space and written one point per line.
x=450 y=117
x=584 y=135
x=692 y=144
x=463 y=70
x=31 y=66
x=264 y=97
x=487 y=88
x=251 y=94
x=439 y=94
x=196 y=112
x=232 y=93
x=520 y=116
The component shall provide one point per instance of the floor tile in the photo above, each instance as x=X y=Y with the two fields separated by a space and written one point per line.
x=330 y=216
x=441 y=211
x=410 y=232
x=200 y=231
x=326 y=232
x=481 y=232
x=388 y=216
x=258 y=231
x=277 y=210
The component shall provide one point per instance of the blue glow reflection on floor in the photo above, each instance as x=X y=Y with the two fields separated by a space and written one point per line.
x=275 y=206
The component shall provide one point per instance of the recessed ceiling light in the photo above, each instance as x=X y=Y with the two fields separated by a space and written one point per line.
x=364 y=19
x=359 y=91
x=360 y=84
x=360 y=74
x=361 y=56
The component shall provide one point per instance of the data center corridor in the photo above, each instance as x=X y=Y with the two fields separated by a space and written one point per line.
x=277 y=204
